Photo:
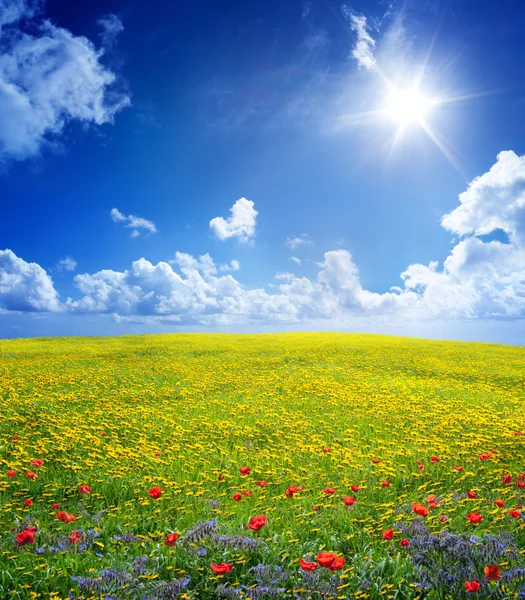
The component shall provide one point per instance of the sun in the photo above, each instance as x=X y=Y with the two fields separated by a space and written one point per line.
x=407 y=106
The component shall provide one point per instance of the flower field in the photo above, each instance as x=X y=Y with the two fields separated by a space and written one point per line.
x=270 y=466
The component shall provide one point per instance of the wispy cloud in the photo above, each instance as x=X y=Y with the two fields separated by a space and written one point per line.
x=111 y=27
x=133 y=222
x=67 y=264
x=363 y=50
x=293 y=241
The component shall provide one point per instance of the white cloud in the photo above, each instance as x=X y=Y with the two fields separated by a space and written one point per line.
x=67 y=264
x=111 y=27
x=133 y=222
x=293 y=242
x=296 y=260
x=48 y=77
x=240 y=224
x=495 y=200
x=284 y=276
x=12 y=11
x=363 y=50
x=233 y=265
x=25 y=286
x=478 y=279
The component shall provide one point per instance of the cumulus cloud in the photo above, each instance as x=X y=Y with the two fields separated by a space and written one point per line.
x=240 y=224
x=363 y=50
x=25 y=286
x=48 y=77
x=293 y=241
x=133 y=222
x=111 y=26
x=480 y=278
x=67 y=264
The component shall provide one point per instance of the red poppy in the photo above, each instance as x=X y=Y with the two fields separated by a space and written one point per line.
x=37 y=462
x=521 y=476
x=315 y=508
x=237 y=496
x=485 y=456
x=307 y=565
x=458 y=468
x=25 y=537
x=102 y=433
x=291 y=490
x=155 y=492
x=348 y=500
x=515 y=433
x=325 y=559
x=492 y=572
x=354 y=488
x=520 y=484
x=75 y=536
x=157 y=453
x=11 y=473
x=506 y=479
x=337 y=564
x=28 y=503
x=420 y=465
x=388 y=534
x=257 y=522
x=245 y=471
x=474 y=517
x=220 y=477
x=247 y=493
x=262 y=483
x=433 y=505
x=443 y=518
x=499 y=502
x=300 y=488
x=15 y=437
x=221 y=568
x=420 y=509
x=434 y=459
x=329 y=491
x=171 y=539
x=431 y=498
x=404 y=543
x=385 y=483
x=56 y=505
x=515 y=513
x=30 y=474
x=326 y=449
x=472 y=586
x=472 y=495
x=375 y=460
x=85 y=489
x=519 y=505
x=65 y=517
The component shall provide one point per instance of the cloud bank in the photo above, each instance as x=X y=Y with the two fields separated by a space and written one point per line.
x=479 y=279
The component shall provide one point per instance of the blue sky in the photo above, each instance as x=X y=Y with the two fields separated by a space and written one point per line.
x=243 y=166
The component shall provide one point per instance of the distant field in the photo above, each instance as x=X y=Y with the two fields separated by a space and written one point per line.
x=184 y=413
